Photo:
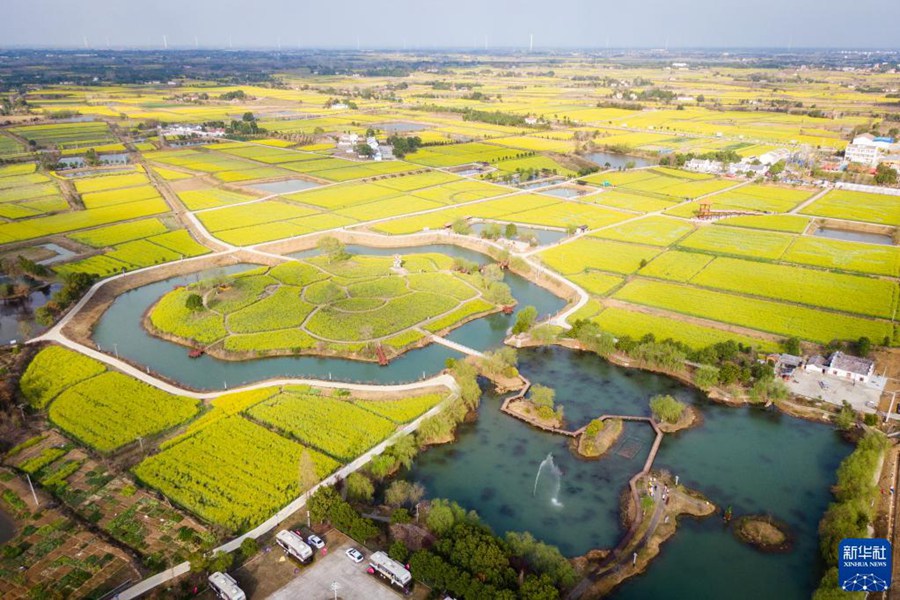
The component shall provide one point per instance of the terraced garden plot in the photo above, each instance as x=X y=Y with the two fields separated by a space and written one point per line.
x=74 y=221
x=676 y=265
x=387 y=208
x=316 y=306
x=66 y=135
x=211 y=198
x=849 y=293
x=409 y=183
x=117 y=234
x=86 y=185
x=115 y=197
x=180 y=242
x=267 y=211
x=785 y=223
x=617 y=198
x=336 y=427
x=720 y=239
x=857 y=206
x=653 y=231
x=235 y=474
x=343 y=195
x=567 y=214
x=456 y=192
x=596 y=283
x=588 y=253
x=845 y=256
x=621 y=322
x=763 y=315
x=111 y=410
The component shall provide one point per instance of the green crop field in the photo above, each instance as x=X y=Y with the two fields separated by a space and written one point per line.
x=676 y=265
x=336 y=427
x=653 y=230
x=848 y=293
x=603 y=255
x=621 y=322
x=719 y=239
x=857 y=206
x=402 y=410
x=235 y=474
x=53 y=370
x=111 y=410
x=845 y=256
x=762 y=315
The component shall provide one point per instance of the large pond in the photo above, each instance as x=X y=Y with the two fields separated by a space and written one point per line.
x=751 y=459
x=855 y=236
x=119 y=331
x=617 y=161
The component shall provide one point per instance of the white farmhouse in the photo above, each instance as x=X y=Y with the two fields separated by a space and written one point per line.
x=851 y=367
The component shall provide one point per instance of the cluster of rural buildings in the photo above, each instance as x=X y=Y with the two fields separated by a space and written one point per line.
x=868 y=150
x=185 y=130
x=348 y=143
x=838 y=364
x=757 y=167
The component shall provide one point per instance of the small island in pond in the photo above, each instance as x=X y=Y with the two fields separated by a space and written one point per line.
x=672 y=415
x=335 y=304
x=763 y=532
x=598 y=437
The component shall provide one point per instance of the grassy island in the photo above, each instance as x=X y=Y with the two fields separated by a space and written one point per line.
x=359 y=307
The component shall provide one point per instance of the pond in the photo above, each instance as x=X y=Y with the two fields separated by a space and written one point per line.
x=855 y=236
x=617 y=161
x=544 y=236
x=75 y=162
x=17 y=318
x=283 y=187
x=119 y=330
x=751 y=459
x=400 y=127
x=566 y=192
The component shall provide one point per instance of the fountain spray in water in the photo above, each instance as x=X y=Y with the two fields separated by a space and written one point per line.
x=555 y=473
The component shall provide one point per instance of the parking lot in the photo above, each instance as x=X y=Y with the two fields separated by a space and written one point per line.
x=835 y=390
x=314 y=581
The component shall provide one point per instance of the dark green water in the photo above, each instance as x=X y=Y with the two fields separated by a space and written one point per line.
x=119 y=330
x=752 y=459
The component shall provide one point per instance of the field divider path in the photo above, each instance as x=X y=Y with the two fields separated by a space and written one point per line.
x=808 y=201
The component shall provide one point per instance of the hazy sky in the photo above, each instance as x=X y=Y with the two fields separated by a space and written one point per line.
x=451 y=23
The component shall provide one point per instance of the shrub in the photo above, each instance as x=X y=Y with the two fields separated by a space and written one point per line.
x=666 y=408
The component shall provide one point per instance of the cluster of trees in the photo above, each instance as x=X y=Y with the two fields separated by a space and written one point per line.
x=232 y=95
x=849 y=516
x=470 y=562
x=74 y=287
x=246 y=126
x=327 y=505
x=885 y=175
x=724 y=156
x=23 y=265
x=333 y=249
x=657 y=95
x=497 y=118
x=725 y=363
x=543 y=398
x=404 y=145
x=502 y=362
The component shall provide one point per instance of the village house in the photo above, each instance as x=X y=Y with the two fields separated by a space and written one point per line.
x=851 y=367
x=866 y=149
